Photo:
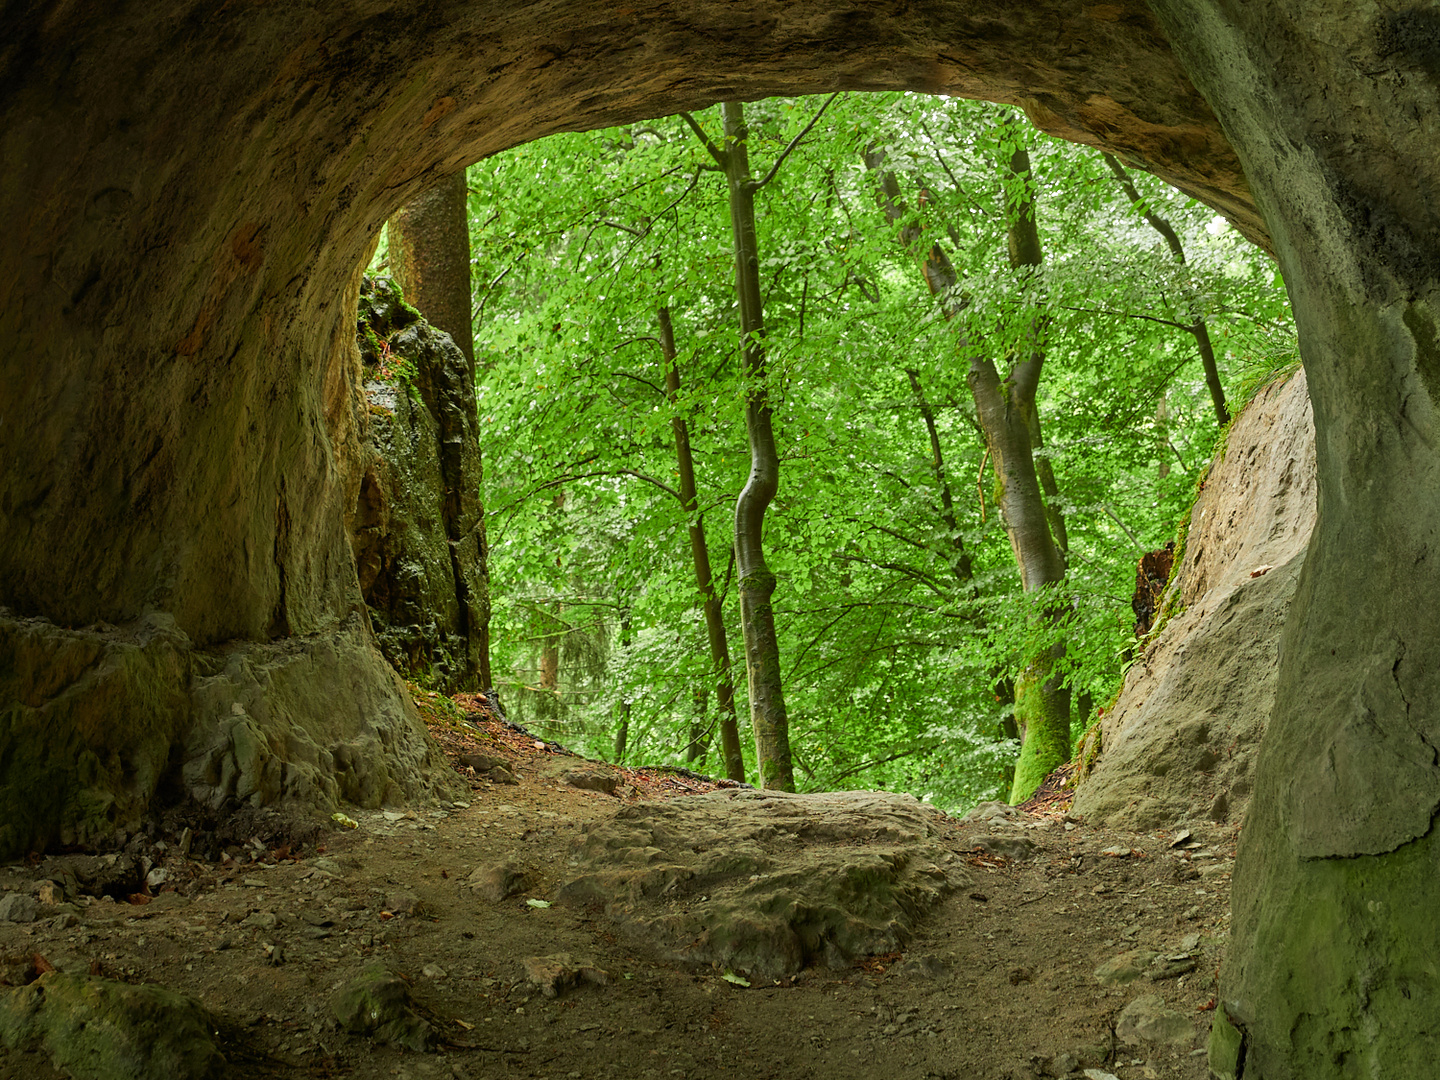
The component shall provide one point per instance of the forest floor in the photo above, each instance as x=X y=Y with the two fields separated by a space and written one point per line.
x=1025 y=971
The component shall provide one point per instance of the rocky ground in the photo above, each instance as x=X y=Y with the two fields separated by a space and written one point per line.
x=574 y=920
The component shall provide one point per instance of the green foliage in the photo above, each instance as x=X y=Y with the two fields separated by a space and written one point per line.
x=891 y=658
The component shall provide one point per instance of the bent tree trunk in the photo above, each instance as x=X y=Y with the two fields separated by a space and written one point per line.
x=700 y=556
x=756 y=580
x=430 y=260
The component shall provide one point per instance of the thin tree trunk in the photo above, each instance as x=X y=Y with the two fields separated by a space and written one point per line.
x=699 y=743
x=622 y=732
x=430 y=260
x=700 y=555
x=940 y=278
x=757 y=581
x=1197 y=328
x=960 y=564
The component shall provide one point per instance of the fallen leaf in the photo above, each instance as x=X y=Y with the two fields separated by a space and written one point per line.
x=731 y=977
x=538 y=903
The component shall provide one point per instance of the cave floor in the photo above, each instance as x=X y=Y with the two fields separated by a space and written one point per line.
x=999 y=983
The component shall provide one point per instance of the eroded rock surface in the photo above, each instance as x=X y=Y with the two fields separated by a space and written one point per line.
x=766 y=882
x=1179 y=744
x=417 y=528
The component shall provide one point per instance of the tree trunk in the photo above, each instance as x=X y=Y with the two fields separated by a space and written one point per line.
x=1198 y=329
x=699 y=743
x=941 y=280
x=1011 y=422
x=429 y=243
x=430 y=261
x=757 y=581
x=700 y=556
x=622 y=731
x=1008 y=416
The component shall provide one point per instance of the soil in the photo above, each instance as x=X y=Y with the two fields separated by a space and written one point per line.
x=997 y=981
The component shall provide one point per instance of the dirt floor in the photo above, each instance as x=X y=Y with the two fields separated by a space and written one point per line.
x=999 y=982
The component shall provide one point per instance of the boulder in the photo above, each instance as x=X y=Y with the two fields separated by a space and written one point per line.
x=99 y=1029
x=1179 y=743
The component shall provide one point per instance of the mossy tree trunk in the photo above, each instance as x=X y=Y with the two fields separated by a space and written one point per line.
x=1011 y=422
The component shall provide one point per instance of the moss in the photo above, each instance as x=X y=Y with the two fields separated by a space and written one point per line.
x=1047 y=730
x=106 y=1030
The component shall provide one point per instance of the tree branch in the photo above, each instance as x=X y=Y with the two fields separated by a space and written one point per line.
x=715 y=151
x=795 y=142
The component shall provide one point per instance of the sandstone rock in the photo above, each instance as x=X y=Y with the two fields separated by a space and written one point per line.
x=1223 y=1049
x=1125 y=968
x=553 y=975
x=766 y=882
x=98 y=1029
x=18 y=907
x=1148 y=1019
x=377 y=1003
x=482 y=762
x=1179 y=744
x=592 y=779
x=994 y=813
x=499 y=882
x=417 y=528
x=1011 y=847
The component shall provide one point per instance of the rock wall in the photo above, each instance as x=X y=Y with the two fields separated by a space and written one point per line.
x=1179 y=744
x=418 y=528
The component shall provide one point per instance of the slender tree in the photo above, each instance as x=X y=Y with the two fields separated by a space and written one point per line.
x=700 y=555
x=756 y=579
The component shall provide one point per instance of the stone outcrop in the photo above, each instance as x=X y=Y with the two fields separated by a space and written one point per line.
x=418 y=527
x=767 y=882
x=1179 y=744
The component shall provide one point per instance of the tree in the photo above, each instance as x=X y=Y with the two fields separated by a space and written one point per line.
x=700 y=554
x=1197 y=328
x=756 y=579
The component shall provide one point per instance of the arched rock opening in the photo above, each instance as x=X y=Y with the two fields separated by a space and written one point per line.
x=188 y=187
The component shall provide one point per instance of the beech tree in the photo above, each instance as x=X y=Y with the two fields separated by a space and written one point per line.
x=899 y=608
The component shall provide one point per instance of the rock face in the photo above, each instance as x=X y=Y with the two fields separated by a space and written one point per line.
x=418 y=527
x=1180 y=742
x=767 y=883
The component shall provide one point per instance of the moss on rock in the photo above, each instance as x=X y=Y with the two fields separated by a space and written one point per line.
x=99 y=1029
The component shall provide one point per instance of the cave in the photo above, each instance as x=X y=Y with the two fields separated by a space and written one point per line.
x=189 y=188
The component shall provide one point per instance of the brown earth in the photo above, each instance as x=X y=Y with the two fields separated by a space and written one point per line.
x=998 y=979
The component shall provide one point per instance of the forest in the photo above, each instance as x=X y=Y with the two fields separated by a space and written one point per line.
x=823 y=436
